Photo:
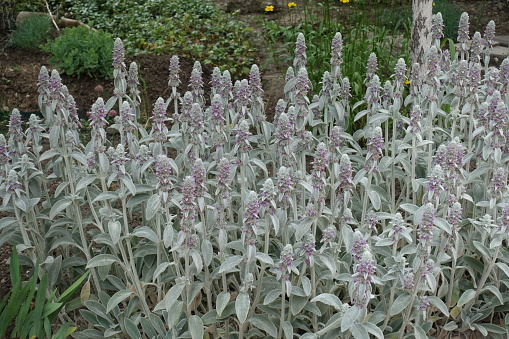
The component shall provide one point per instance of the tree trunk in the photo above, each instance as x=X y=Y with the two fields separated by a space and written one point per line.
x=422 y=11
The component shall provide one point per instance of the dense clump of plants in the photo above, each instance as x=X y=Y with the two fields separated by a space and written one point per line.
x=81 y=51
x=292 y=227
x=191 y=28
x=31 y=32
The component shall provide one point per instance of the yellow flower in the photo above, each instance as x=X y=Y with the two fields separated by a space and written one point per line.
x=407 y=82
x=292 y=4
x=345 y=1
x=269 y=8
x=433 y=4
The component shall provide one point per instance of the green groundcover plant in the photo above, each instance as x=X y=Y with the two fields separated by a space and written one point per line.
x=283 y=228
x=31 y=32
x=82 y=51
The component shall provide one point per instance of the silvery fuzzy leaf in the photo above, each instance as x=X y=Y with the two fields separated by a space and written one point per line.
x=104 y=163
x=54 y=271
x=328 y=299
x=308 y=336
x=172 y=296
x=147 y=328
x=114 y=230
x=275 y=223
x=438 y=303
x=306 y=286
x=260 y=164
x=466 y=297
x=168 y=235
x=109 y=195
x=197 y=260
x=59 y=206
x=410 y=208
x=264 y=258
x=349 y=318
x=401 y=303
x=174 y=313
x=79 y=157
x=131 y=328
x=298 y=303
x=288 y=330
x=271 y=296
x=328 y=262
x=264 y=323
x=482 y=249
x=48 y=155
x=60 y=188
x=129 y=184
x=196 y=327
x=375 y=199
x=230 y=263
x=153 y=205
x=359 y=331
x=160 y=269
x=21 y=203
x=101 y=260
x=117 y=298
x=495 y=292
x=237 y=245
x=147 y=233
x=222 y=300
x=210 y=318
x=138 y=199
x=222 y=239
x=207 y=252
x=419 y=333
x=242 y=304
x=84 y=182
x=442 y=224
x=6 y=222
x=302 y=228
x=347 y=234
x=504 y=268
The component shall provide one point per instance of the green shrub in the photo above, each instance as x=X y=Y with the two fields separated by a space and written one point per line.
x=31 y=32
x=451 y=15
x=80 y=51
x=192 y=28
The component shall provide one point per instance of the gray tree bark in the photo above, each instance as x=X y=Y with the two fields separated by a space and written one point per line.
x=422 y=12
